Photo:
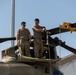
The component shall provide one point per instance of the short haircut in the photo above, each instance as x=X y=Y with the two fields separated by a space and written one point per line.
x=22 y=23
x=37 y=20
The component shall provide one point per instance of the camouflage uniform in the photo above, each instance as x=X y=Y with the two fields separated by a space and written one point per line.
x=38 y=43
x=24 y=47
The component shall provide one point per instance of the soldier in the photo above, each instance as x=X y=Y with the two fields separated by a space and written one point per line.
x=23 y=38
x=38 y=43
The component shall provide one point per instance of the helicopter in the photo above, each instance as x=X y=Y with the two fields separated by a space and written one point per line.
x=14 y=64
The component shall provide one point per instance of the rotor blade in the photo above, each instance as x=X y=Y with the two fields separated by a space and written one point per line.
x=57 y=30
x=68 y=48
x=6 y=39
x=62 y=44
x=9 y=38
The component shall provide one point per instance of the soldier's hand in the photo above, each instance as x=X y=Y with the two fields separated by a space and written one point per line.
x=42 y=30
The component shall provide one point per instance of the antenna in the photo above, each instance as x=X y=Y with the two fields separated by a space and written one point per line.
x=12 y=20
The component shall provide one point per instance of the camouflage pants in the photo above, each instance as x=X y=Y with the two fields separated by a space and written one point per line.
x=38 y=48
x=24 y=48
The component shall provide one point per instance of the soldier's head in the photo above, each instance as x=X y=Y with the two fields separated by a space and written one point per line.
x=23 y=24
x=36 y=21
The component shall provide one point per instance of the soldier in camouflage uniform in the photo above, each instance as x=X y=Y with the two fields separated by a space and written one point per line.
x=23 y=37
x=38 y=43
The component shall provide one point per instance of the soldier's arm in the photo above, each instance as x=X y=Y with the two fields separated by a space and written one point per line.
x=17 y=37
x=30 y=36
x=17 y=40
x=34 y=28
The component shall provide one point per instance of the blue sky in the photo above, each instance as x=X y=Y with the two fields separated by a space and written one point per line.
x=50 y=12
